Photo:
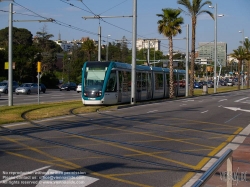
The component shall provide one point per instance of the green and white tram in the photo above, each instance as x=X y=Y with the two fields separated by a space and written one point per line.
x=108 y=83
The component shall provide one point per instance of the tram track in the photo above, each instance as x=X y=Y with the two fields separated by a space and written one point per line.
x=20 y=133
x=109 y=141
x=71 y=111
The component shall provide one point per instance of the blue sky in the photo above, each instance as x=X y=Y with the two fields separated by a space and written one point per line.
x=236 y=18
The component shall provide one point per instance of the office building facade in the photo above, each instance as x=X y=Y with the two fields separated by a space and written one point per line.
x=206 y=51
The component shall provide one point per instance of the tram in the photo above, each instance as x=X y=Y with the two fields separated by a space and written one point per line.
x=109 y=83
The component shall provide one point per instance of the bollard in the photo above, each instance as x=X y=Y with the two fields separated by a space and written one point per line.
x=205 y=90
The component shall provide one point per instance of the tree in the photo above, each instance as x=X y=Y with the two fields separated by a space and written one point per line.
x=20 y=37
x=240 y=55
x=247 y=47
x=194 y=9
x=42 y=38
x=170 y=26
x=89 y=47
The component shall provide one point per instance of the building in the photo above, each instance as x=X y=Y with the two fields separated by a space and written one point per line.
x=206 y=51
x=68 y=45
x=143 y=44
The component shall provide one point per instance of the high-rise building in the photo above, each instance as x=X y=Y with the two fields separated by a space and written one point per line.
x=206 y=51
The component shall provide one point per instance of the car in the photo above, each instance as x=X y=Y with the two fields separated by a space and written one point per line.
x=68 y=86
x=197 y=85
x=210 y=84
x=27 y=88
x=223 y=83
x=42 y=88
x=79 y=87
x=230 y=83
x=4 y=86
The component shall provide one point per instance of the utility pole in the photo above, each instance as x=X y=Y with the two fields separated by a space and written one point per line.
x=99 y=30
x=187 y=60
x=10 y=57
x=134 y=38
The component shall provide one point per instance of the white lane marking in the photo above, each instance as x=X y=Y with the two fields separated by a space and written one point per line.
x=29 y=99
x=241 y=99
x=204 y=111
x=238 y=139
x=232 y=118
x=235 y=109
x=152 y=111
x=183 y=104
x=187 y=100
x=70 y=179
x=222 y=100
x=23 y=174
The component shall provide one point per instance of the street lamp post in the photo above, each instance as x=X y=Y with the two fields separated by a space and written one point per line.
x=215 y=45
x=242 y=77
x=107 y=48
x=68 y=68
x=187 y=60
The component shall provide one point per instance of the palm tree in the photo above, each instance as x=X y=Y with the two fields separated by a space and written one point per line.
x=169 y=26
x=247 y=48
x=240 y=55
x=194 y=10
x=89 y=47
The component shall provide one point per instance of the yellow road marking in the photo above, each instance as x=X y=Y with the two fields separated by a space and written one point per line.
x=72 y=165
x=136 y=173
x=203 y=122
x=206 y=159
x=171 y=139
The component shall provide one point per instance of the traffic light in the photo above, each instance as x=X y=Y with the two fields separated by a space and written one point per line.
x=39 y=65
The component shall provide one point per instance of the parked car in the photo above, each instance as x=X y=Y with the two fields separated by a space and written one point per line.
x=79 y=87
x=210 y=84
x=197 y=85
x=42 y=88
x=223 y=83
x=4 y=86
x=27 y=88
x=230 y=83
x=68 y=86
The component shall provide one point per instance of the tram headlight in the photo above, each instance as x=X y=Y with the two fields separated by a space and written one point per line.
x=100 y=93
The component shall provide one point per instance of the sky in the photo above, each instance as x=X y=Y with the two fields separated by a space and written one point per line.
x=69 y=21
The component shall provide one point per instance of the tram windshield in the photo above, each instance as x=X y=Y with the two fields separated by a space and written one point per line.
x=94 y=76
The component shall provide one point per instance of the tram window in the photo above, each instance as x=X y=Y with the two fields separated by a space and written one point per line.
x=149 y=80
x=112 y=82
x=175 y=79
x=167 y=80
x=182 y=81
x=144 y=81
x=120 y=80
x=158 y=81
x=129 y=80
x=138 y=81
x=125 y=81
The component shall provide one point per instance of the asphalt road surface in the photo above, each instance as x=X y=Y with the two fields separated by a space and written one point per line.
x=51 y=95
x=159 y=144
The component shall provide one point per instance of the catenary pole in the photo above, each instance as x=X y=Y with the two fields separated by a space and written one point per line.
x=187 y=60
x=133 y=101
x=10 y=70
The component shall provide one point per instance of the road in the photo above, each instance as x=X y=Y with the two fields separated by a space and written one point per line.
x=159 y=144
x=51 y=95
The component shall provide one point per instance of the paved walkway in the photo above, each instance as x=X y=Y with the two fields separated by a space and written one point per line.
x=241 y=167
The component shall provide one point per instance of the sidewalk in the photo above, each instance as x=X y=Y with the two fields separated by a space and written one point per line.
x=241 y=168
